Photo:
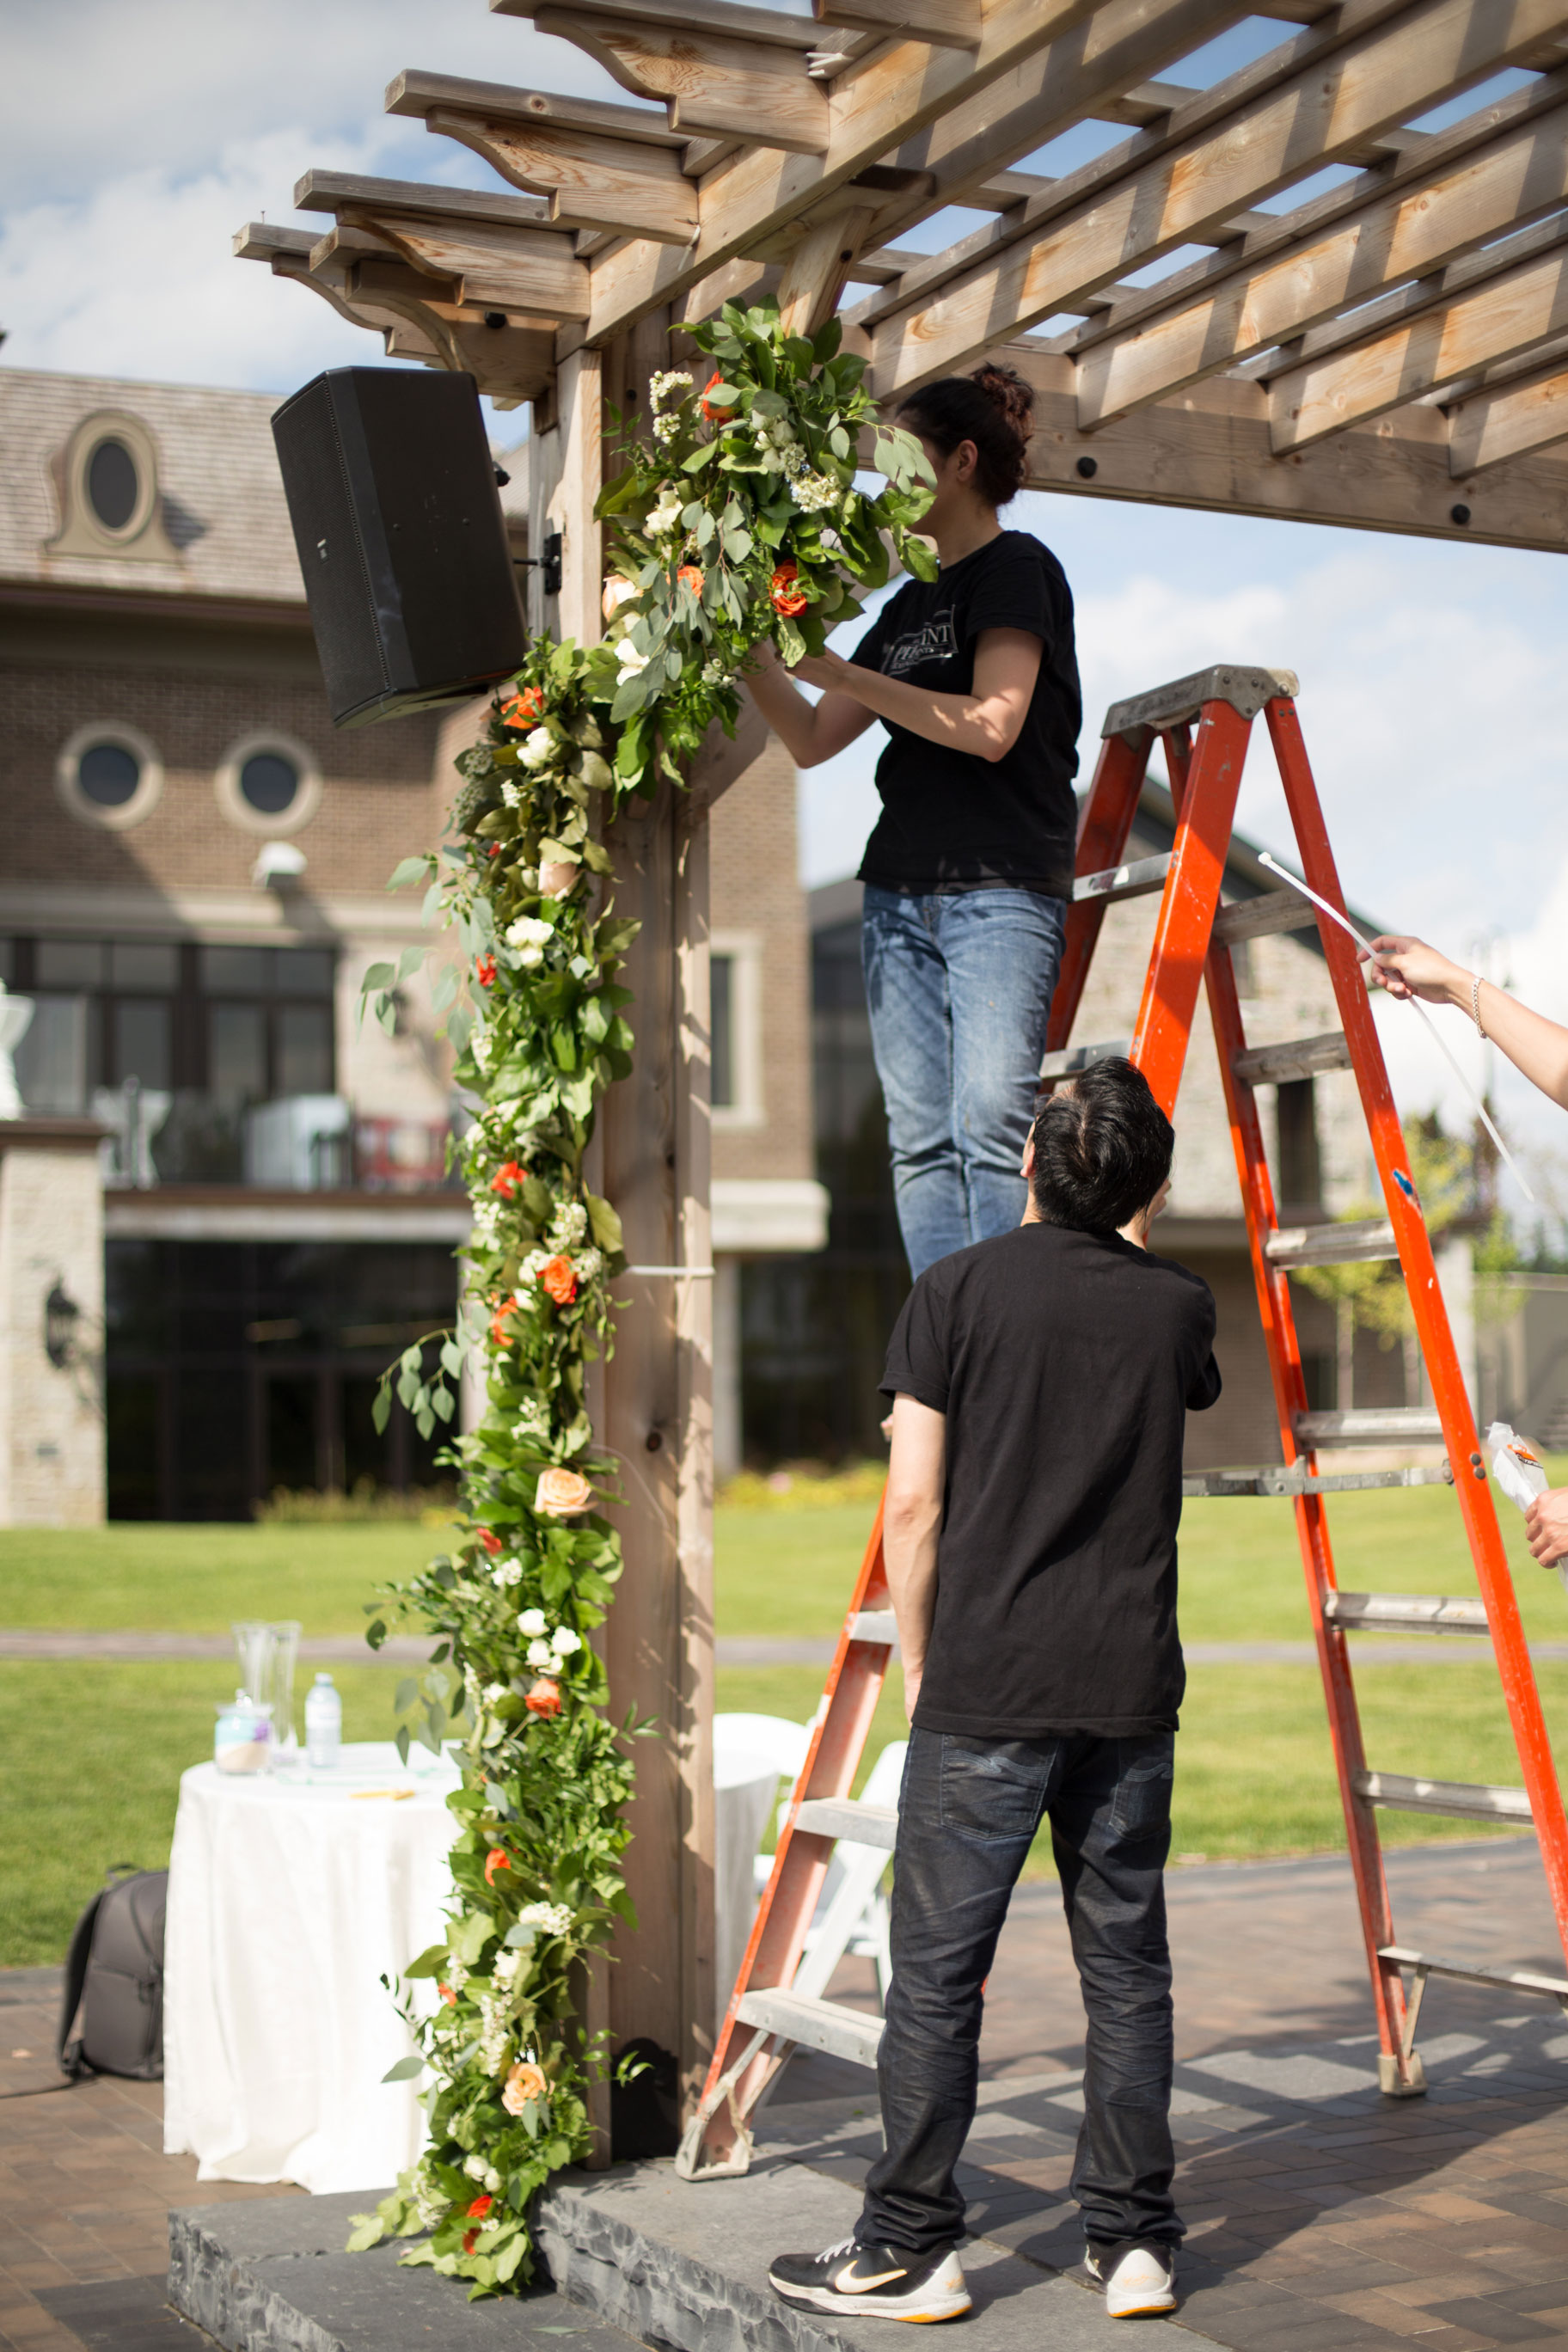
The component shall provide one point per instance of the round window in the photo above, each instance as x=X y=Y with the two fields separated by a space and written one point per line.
x=107 y=774
x=268 y=783
x=114 y=485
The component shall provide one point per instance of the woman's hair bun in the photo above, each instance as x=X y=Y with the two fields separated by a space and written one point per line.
x=994 y=408
x=1012 y=394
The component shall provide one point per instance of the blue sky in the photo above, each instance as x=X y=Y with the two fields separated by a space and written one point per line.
x=1434 y=691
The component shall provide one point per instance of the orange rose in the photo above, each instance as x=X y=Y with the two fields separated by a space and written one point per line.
x=690 y=576
x=495 y=1861
x=470 y=2239
x=544 y=1699
x=559 y=1277
x=447 y=1995
x=507 y=1179
x=562 y=1494
x=523 y=709
x=478 y=2209
x=525 y=2086
x=719 y=415
x=485 y=970
x=491 y=1542
x=498 y=1332
x=785 y=596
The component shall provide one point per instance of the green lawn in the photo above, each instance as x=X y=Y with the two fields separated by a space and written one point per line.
x=90 y=1754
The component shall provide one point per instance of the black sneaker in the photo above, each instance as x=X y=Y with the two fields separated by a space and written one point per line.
x=873 y=2283
x=1138 y=2281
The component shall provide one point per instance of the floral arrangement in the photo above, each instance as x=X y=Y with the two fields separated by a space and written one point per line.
x=739 y=519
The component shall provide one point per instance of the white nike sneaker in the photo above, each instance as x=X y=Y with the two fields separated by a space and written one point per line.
x=1136 y=2284
x=873 y=2283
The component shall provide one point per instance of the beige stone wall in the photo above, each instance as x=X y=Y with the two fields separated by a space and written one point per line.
x=51 y=1419
x=756 y=897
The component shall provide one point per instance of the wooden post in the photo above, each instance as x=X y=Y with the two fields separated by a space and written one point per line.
x=654 y=1407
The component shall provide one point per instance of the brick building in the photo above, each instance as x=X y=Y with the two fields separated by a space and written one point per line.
x=232 y=1195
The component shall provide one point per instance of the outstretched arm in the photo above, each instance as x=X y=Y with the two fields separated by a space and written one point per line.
x=911 y=1519
x=809 y=731
x=1536 y=1046
x=985 y=722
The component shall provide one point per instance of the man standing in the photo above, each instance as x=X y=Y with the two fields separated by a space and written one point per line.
x=1041 y=1382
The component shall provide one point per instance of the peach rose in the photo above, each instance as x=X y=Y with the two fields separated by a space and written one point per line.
x=544 y=1699
x=562 y=1494
x=525 y=2086
x=559 y=1277
x=556 y=877
x=617 y=592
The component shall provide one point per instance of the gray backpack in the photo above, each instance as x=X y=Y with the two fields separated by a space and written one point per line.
x=114 y=1976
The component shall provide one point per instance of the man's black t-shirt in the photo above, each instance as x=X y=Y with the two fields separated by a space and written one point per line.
x=1065 y=1363
x=952 y=821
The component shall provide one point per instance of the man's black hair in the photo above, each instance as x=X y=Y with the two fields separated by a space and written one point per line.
x=1102 y=1148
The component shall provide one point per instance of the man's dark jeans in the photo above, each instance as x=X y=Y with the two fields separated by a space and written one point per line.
x=968 y=1812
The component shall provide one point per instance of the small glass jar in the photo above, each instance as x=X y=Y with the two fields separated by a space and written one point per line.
x=243 y=1737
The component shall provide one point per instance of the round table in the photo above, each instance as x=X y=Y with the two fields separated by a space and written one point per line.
x=290 y=1894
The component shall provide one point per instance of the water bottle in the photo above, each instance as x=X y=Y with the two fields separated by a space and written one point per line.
x=323 y=1724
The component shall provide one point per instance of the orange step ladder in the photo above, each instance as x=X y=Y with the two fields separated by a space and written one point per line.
x=1204 y=723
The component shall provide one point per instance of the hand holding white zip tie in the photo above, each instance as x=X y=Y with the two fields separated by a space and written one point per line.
x=1366 y=947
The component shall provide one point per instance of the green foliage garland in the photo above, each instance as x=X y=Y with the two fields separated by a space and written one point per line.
x=738 y=520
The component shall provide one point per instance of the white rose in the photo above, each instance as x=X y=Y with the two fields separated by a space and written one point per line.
x=539 y=749
x=527 y=931
x=565 y=1643
x=540 y=1654
x=631 y=661
x=666 y=516
x=531 y=1621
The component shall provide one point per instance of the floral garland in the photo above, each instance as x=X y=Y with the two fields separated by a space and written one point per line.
x=738 y=520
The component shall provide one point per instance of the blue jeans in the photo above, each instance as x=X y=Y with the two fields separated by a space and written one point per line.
x=967 y=1814
x=958 y=991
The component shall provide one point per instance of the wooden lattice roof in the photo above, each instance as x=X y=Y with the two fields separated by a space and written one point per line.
x=1390 y=350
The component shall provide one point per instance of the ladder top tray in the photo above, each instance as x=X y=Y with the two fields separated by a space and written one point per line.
x=1246 y=690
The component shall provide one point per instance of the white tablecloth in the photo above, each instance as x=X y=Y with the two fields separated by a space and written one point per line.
x=290 y=1896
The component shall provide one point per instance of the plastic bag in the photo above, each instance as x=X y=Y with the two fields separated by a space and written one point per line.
x=1516 y=1467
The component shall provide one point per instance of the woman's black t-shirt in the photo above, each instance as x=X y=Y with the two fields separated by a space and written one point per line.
x=950 y=820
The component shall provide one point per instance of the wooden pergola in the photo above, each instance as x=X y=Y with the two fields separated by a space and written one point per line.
x=1388 y=351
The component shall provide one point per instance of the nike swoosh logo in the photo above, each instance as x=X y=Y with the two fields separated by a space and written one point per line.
x=847 y=2283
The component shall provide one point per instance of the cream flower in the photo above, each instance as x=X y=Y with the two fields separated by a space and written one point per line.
x=563 y=1642
x=531 y=1621
x=630 y=659
x=538 y=749
x=540 y=1654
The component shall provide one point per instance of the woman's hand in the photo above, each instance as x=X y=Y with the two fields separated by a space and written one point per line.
x=826 y=670
x=1546 y=1524
x=1408 y=968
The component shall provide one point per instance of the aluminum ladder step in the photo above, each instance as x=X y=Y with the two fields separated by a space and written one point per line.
x=1139 y=878
x=1280 y=1478
x=1259 y=917
x=1074 y=1058
x=1334 y=1244
x=1404 y=1613
x=1394 y=1424
x=846 y=1817
x=1303 y=1058
x=1516 y=1979
x=814 y=2024
x=1462 y=1800
x=877 y=1625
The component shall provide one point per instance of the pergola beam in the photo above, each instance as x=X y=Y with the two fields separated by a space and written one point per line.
x=1509 y=420
x=1302 y=122
x=1417 y=229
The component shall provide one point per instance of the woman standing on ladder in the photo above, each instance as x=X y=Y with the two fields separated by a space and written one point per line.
x=968 y=869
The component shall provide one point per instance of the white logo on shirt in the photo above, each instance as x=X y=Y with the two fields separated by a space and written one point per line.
x=933 y=641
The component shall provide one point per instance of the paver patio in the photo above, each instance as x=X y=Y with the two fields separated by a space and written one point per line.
x=1321 y=2217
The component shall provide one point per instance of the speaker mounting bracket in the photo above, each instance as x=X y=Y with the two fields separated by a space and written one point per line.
x=549 y=562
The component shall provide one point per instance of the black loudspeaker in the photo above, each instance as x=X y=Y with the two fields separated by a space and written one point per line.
x=393 y=494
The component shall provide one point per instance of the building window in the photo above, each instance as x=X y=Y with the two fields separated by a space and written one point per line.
x=114 y=485
x=269 y=784
x=108 y=774
x=110 y=504
x=735 y=984
x=1301 y=1168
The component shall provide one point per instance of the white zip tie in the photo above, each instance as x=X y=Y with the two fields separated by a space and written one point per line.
x=1346 y=925
x=694 y=1273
